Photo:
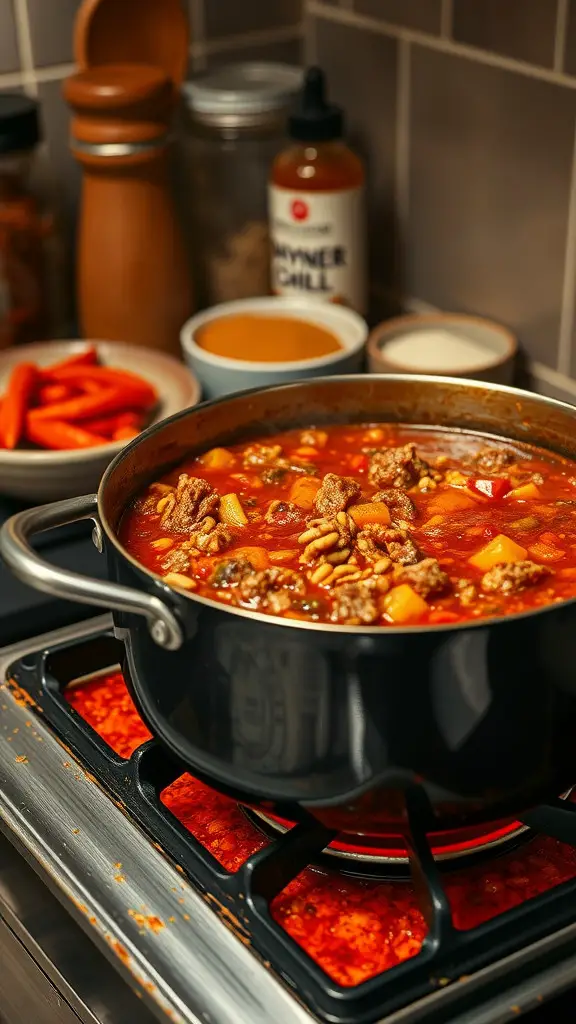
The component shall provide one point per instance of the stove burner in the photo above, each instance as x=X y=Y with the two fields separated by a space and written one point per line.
x=387 y=857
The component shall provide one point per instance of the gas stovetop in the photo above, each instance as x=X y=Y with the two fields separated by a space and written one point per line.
x=211 y=913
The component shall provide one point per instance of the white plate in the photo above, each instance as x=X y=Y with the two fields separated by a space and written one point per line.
x=48 y=476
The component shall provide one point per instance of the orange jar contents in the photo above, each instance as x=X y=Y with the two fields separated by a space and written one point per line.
x=266 y=339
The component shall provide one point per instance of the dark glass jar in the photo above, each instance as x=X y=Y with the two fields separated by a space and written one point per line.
x=23 y=226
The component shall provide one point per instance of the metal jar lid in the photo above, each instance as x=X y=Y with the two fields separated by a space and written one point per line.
x=242 y=95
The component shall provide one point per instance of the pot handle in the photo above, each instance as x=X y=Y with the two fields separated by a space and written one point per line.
x=28 y=566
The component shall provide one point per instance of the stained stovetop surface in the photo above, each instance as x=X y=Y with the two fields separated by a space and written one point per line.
x=353 y=950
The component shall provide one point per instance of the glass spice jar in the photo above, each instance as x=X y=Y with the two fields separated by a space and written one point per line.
x=23 y=226
x=236 y=121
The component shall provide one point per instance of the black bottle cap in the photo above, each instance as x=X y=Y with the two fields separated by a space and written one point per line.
x=314 y=119
x=19 y=123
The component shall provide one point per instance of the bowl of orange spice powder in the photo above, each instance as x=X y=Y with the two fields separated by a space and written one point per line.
x=259 y=342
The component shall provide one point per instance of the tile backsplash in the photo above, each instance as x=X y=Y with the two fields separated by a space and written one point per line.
x=464 y=109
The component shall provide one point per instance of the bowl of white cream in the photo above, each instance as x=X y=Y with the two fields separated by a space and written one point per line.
x=444 y=344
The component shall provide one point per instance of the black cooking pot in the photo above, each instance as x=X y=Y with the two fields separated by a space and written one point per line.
x=339 y=721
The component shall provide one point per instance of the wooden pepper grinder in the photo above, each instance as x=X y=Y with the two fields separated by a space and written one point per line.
x=133 y=279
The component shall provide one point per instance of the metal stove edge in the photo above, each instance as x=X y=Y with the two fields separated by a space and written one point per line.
x=144 y=915
x=149 y=921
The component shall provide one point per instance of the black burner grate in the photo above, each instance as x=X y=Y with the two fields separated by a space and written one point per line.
x=244 y=897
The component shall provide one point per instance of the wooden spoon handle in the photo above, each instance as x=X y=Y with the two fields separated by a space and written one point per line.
x=154 y=32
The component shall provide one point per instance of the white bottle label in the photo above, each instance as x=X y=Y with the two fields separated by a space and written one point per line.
x=318 y=245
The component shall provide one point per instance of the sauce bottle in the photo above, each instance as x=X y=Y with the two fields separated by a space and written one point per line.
x=316 y=206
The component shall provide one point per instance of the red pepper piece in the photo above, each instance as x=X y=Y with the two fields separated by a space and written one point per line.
x=60 y=436
x=108 y=425
x=490 y=487
x=50 y=393
x=359 y=463
x=89 y=357
x=16 y=402
x=85 y=407
x=108 y=377
x=125 y=434
x=441 y=617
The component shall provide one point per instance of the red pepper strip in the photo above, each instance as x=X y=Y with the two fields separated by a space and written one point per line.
x=60 y=436
x=16 y=400
x=108 y=377
x=359 y=463
x=125 y=433
x=85 y=407
x=50 y=393
x=91 y=387
x=108 y=424
x=440 y=617
x=89 y=357
x=494 y=487
x=550 y=538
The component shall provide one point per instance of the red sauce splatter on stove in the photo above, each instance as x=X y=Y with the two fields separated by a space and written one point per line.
x=353 y=929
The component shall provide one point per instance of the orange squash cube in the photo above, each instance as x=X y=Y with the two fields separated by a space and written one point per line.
x=500 y=549
x=525 y=492
x=218 y=458
x=370 y=512
x=303 y=492
x=258 y=557
x=403 y=605
x=451 y=500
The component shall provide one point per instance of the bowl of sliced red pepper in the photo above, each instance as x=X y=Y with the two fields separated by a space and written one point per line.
x=68 y=407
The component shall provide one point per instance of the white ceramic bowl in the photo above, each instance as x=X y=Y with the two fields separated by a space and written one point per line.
x=220 y=375
x=48 y=476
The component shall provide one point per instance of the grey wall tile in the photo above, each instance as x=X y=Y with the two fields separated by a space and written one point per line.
x=523 y=29
x=491 y=155
x=287 y=51
x=419 y=14
x=51 y=27
x=9 y=57
x=361 y=70
x=233 y=17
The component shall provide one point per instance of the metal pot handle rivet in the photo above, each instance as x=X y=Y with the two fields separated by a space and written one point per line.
x=19 y=555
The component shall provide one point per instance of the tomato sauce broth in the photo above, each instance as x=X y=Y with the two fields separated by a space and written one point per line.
x=411 y=507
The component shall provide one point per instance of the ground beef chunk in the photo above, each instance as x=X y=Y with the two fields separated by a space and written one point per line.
x=397 y=467
x=356 y=604
x=335 y=494
x=177 y=560
x=229 y=572
x=262 y=455
x=426 y=577
x=185 y=507
x=466 y=592
x=493 y=460
x=273 y=589
x=283 y=513
x=273 y=475
x=209 y=538
x=398 y=502
x=510 y=577
x=400 y=546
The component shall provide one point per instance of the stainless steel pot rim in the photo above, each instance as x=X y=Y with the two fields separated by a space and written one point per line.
x=516 y=395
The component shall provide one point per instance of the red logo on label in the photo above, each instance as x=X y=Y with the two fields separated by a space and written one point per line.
x=299 y=209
